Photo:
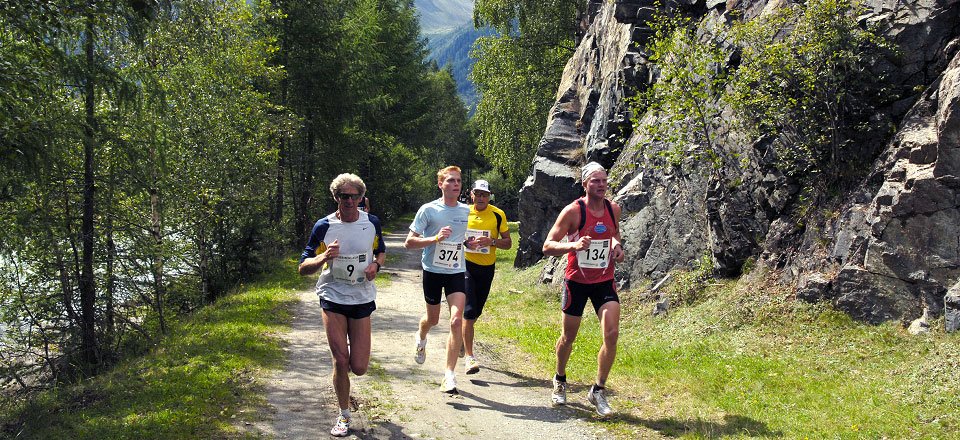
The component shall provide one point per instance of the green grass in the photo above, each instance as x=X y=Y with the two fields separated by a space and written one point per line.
x=397 y=224
x=738 y=359
x=194 y=384
x=742 y=359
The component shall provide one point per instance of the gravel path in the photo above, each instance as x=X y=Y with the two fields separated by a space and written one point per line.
x=398 y=399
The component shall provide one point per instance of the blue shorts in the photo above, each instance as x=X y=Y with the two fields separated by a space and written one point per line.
x=352 y=311
x=574 y=296
x=435 y=283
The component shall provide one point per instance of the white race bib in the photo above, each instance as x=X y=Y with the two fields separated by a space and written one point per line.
x=448 y=255
x=349 y=269
x=478 y=233
x=597 y=256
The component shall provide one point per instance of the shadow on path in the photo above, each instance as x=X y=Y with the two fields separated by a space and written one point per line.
x=577 y=407
x=732 y=425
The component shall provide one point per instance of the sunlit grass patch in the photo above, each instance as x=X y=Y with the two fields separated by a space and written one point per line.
x=193 y=384
x=398 y=224
x=738 y=358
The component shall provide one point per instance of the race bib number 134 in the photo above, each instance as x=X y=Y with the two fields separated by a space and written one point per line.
x=597 y=256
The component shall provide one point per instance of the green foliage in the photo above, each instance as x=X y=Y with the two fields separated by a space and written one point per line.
x=383 y=106
x=516 y=75
x=166 y=112
x=453 y=49
x=688 y=285
x=681 y=108
x=801 y=80
x=809 y=88
x=157 y=154
x=192 y=384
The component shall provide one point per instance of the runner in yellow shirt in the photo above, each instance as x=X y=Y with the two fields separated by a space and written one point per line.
x=489 y=225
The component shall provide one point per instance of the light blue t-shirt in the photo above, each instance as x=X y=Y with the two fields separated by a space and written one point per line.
x=433 y=216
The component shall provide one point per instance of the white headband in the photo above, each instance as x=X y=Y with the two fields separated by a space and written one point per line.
x=589 y=169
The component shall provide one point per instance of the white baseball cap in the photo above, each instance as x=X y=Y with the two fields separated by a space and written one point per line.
x=481 y=185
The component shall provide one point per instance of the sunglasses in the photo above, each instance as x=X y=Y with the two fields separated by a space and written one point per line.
x=343 y=196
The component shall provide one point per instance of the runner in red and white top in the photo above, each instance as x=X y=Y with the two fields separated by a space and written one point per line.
x=593 y=246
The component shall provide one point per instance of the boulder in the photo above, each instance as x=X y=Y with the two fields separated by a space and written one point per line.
x=951 y=314
x=883 y=249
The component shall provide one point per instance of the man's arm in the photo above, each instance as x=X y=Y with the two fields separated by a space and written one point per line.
x=311 y=265
x=566 y=222
x=617 y=245
x=315 y=246
x=416 y=241
x=504 y=242
x=375 y=265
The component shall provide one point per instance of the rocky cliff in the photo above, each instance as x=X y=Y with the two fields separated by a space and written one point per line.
x=884 y=249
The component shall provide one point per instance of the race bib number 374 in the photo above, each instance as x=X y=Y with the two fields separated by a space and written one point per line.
x=448 y=255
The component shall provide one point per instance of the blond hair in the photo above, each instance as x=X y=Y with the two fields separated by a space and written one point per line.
x=444 y=171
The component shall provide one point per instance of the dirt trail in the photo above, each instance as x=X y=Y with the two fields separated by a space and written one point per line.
x=399 y=399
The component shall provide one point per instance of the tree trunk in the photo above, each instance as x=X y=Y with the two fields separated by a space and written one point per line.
x=278 y=197
x=111 y=279
x=203 y=248
x=281 y=162
x=88 y=336
x=156 y=234
x=305 y=190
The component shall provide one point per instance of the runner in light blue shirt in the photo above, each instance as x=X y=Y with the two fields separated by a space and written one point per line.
x=432 y=217
x=439 y=228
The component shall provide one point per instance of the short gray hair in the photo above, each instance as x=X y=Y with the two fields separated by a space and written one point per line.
x=348 y=179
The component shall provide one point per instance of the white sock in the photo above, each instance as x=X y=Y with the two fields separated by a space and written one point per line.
x=450 y=374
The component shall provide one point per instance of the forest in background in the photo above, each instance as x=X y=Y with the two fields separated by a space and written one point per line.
x=156 y=154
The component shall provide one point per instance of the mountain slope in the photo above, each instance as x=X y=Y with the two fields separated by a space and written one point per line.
x=443 y=16
x=453 y=48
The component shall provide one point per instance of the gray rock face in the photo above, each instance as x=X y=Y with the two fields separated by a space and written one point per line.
x=900 y=249
x=951 y=309
x=893 y=245
x=590 y=106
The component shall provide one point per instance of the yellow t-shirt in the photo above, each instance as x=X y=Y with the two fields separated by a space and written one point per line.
x=486 y=222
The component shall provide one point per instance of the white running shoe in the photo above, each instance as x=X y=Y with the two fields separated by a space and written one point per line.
x=472 y=365
x=421 y=355
x=341 y=428
x=449 y=384
x=599 y=399
x=559 y=395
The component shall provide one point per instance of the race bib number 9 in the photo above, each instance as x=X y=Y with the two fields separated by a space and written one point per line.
x=597 y=256
x=478 y=233
x=448 y=255
x=349 y=269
